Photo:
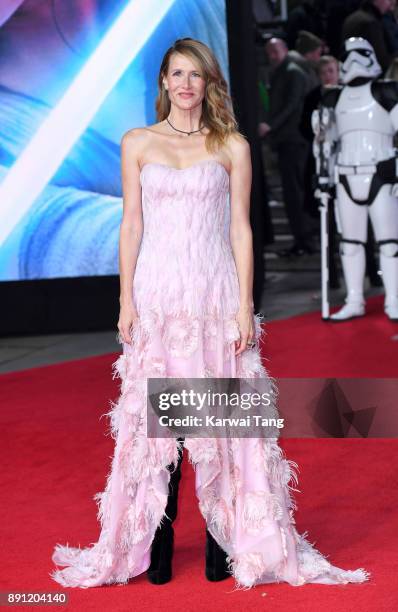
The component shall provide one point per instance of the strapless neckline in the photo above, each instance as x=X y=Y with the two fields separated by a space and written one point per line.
x=199 y=163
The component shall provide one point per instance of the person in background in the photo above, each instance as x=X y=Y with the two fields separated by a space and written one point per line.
x=392 y=70
x=390 y=24
x=328 y=70
x=308 y=51
x=367 y=22
x=392 y=73
x=288 y=88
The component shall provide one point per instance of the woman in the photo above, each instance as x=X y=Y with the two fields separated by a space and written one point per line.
x=187 y=311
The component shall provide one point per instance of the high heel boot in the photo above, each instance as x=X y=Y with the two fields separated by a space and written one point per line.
x=160 y=569
x=216 y=560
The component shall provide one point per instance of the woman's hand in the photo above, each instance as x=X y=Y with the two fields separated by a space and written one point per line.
x=245 y=320
x=127 y=318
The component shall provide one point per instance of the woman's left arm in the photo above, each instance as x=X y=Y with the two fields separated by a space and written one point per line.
x=241 y=236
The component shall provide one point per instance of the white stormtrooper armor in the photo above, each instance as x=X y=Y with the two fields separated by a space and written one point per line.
x=365 y=119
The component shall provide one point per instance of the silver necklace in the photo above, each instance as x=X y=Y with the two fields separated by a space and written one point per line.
x=183 y=131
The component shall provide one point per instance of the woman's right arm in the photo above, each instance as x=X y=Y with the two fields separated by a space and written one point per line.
x=131 y=229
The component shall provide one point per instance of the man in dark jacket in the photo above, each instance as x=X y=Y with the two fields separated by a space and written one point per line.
x=367 y=22
x=390 y=24
x=288 y=88
x=307 y=54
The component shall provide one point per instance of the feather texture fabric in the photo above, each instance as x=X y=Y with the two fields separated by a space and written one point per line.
x=186 y=292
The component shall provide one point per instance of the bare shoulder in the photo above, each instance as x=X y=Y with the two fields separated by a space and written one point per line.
x=238 y=149
x=134 y=143
x=134 y=138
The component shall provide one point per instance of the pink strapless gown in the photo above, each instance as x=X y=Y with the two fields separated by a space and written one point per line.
x=187 y=295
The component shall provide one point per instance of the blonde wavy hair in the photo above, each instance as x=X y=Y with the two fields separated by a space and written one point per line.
x=217 y=112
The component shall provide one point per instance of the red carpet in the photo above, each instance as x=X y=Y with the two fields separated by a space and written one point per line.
x=306 y=346
x=55 y=457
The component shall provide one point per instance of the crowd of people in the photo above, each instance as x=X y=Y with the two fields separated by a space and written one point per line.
x=301 y=64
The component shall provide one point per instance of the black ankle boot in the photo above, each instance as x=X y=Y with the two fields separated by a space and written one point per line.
x=160 y=569
x=216 y=560
x=159 y=572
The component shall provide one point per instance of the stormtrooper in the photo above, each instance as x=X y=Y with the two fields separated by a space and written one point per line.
x=362 y=119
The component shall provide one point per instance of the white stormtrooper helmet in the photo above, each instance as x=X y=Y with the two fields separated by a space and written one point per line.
x=358 y=60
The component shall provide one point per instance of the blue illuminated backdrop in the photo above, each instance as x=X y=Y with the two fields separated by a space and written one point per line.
x=71 y=228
